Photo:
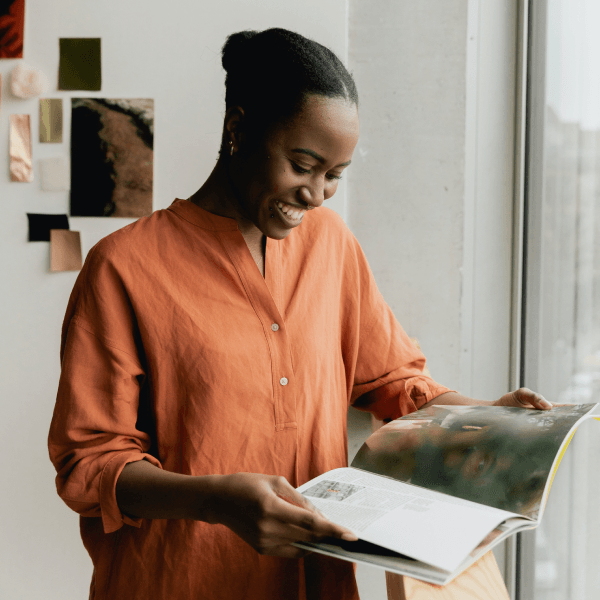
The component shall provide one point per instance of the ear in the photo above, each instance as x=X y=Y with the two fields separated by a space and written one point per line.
x=234 y=127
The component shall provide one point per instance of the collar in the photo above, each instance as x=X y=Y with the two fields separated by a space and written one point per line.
x=202 y=218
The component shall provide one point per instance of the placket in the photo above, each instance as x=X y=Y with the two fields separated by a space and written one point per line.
x=262 y=294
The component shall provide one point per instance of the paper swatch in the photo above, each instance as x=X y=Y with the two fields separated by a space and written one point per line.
x=27 y=82
x=65 y=250
x=12 y=20
x=41 y=224
x=54 y=174
x=51 y=120
x=21 y=167
x=80 y=64
x=111 y=157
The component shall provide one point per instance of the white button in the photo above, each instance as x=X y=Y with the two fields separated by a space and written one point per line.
x=283 y=381
x=274 y=327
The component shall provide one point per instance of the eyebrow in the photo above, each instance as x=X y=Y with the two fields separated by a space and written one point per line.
x=317 y=156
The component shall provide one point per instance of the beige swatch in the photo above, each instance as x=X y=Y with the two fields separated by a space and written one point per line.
x=27 y=82
x=65 y=250
x=51 y=120
x=0 y=94
x=21 y=168
x=54 y=174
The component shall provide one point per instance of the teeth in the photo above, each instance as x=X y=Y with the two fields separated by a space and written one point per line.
x=290 y=212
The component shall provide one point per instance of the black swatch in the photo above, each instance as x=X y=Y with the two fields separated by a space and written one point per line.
x=41 y=224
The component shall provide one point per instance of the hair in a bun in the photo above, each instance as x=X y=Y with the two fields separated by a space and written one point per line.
x=270 y=73
x=233 y=52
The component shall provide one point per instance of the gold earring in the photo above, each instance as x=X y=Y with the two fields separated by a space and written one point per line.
x=231 y=149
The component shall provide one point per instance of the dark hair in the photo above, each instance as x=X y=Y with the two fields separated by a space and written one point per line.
x=270 y=73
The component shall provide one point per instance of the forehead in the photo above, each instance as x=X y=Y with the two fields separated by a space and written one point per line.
x=328 y=126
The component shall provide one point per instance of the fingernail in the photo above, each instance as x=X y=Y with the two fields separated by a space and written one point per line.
x=349 y=537
x=545 y=403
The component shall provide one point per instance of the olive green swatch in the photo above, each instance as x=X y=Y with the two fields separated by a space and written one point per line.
x=51 y=120
x=80 y=64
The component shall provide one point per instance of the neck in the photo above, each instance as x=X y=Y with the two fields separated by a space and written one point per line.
x=216 y=194
x=218 y=197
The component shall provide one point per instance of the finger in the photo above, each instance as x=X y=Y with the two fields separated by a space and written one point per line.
x=288 y=493
x=311 y=521
x=297 y=500
x=286 y=533
x=294 y=497
x=324 y=526
x=527 y=397
x=307 y=504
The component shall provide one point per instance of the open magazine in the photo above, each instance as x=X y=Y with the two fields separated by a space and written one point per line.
x=430 y=493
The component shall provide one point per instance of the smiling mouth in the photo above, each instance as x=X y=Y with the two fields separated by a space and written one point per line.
x=290 y=214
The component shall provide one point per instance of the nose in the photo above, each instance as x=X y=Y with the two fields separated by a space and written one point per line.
x=313 y=194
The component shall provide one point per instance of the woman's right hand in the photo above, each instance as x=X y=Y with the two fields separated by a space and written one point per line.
x=269 y=514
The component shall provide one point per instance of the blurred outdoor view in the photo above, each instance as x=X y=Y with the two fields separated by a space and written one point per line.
x=567 y=327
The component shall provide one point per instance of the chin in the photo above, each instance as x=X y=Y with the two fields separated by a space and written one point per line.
x=274 y=228
x=277 y=233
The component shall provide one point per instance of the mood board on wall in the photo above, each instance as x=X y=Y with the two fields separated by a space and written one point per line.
x=110 y=171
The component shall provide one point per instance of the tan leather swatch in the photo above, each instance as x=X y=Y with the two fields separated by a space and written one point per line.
x=65 y=250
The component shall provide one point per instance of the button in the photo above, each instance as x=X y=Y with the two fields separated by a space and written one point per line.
x=274 y=327
x=283 y=381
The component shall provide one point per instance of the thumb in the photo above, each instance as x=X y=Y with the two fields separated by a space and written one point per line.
x=526 y=398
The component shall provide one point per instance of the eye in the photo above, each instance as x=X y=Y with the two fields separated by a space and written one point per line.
x=298 y=168
x=303 y=171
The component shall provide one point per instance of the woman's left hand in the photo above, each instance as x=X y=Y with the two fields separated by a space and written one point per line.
x=524 y=398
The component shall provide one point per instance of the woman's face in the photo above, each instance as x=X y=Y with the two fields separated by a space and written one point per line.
x=298 y=166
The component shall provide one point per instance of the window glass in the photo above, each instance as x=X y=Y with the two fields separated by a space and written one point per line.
x=563 y=329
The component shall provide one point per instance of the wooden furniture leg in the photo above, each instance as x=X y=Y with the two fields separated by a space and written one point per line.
x=481 y=581
x=395 y=586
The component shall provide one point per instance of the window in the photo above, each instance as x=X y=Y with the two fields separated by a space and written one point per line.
x=561 y=352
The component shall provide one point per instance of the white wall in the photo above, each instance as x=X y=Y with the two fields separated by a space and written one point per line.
x=407 y=184
x=430 y=193
x=168 y=51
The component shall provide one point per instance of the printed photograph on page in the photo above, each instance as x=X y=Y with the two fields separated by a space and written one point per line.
x=497 y=456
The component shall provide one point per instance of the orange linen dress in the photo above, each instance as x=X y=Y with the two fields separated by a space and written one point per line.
x=177 y=351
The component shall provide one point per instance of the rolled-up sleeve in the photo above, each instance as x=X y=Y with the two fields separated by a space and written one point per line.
x=94 y=433
x=390 y=379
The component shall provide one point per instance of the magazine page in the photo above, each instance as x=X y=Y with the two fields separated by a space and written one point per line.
x=376 y=556
x=594 y=414
x=394 y=562
x=498 y=456
x=424 y=525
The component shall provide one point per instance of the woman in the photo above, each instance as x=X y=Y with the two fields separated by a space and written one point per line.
x=210 y=352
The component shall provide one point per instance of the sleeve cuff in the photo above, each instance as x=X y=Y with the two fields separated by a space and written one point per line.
x=422 y=390
x=112 y=517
